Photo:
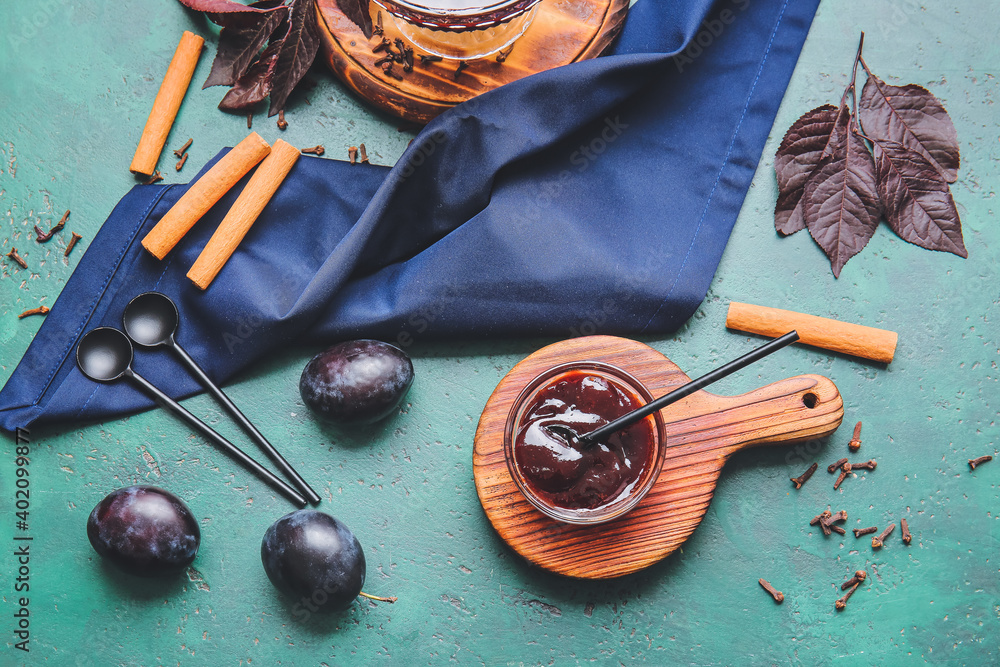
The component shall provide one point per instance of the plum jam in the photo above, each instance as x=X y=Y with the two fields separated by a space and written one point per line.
x=566 y=476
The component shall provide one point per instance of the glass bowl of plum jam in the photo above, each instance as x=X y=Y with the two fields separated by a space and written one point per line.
x=561 y=478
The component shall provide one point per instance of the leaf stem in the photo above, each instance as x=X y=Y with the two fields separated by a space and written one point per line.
x=375 y=597
x=858 y=59
x=853 y=88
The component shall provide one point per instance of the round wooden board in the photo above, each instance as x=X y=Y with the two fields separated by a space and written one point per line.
x=703 y=431
x=563 y=31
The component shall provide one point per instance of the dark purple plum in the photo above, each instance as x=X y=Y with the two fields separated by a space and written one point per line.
x=357 y=382
x=314 y=559
x=145 y=531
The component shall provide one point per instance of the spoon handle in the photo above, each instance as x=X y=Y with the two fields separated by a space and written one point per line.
x=688 y=389
x=209 y=433
x=256 y=435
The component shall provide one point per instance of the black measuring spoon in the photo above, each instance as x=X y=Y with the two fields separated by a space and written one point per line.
x=105 y=355
x=626 y=420
x=151 y=320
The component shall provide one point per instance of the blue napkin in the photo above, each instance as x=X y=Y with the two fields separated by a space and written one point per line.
x=594 y=198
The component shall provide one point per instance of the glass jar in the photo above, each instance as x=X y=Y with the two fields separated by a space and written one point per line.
x=460 y=29
x=575 y=495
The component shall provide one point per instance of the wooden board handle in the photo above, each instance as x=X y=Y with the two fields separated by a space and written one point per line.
x=793 y=410
x=853 y=339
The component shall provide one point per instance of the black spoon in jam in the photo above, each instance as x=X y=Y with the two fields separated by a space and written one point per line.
x=591 y=438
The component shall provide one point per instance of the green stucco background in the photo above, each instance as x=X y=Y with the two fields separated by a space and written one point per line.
x=76 y=83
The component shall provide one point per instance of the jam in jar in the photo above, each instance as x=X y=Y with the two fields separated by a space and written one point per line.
x=565 y=479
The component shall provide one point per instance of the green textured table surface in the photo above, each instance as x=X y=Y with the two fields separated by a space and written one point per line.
x=76 y=83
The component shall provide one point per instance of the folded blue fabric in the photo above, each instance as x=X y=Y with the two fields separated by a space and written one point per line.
x=597 y=197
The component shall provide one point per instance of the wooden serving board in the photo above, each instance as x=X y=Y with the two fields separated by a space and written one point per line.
x=703 y=431
x=562 y=32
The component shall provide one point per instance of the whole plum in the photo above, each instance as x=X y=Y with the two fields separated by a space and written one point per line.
x=145 y=531
x=357 y=382
x=315 y=559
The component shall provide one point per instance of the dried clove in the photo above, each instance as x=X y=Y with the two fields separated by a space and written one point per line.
x=41 y=310
x=72 y=242
x=382 y=46
x=17 y=258
x=352 y=154
x=801 y=479
x=183 y=149
x=424 y=59
x=858 y=577
x=844 y=472
x=858 y=532
x=855 y=443
x=389 y=71
x=157 y=176
x=378 y=29
x=842 y=602
x=249 y=121
x=42 y=237
x=364 y=154
x=832 y=468
x=821 y=520
x=819 y=517
x=980 y=461
x=839 y=516
x=461 y=68
x=407 y=59
x=829 y=521
x=906 y=531
x=180 y=163
x=865 y=465
x=778 y=596
x=282 y=123
x=879 y=540
x=315 y=150
x=385 y=60
x=503 y=55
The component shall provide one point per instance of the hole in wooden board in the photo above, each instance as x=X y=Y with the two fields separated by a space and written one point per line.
x=810 y=400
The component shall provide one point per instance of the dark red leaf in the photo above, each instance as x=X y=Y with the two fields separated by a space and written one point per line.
x=912 y=116
x=840 y=204
x=227 y=13
x=239 y=46
x=255 y=85
x=917 y=201
x=357 y=11
x=217 y=6
x=796 y=159
x=297 y=52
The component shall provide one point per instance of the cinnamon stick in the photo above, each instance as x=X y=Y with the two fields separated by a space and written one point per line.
x=167 y=102
x=853 y=339
x=255 y=196
x=203 y=194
